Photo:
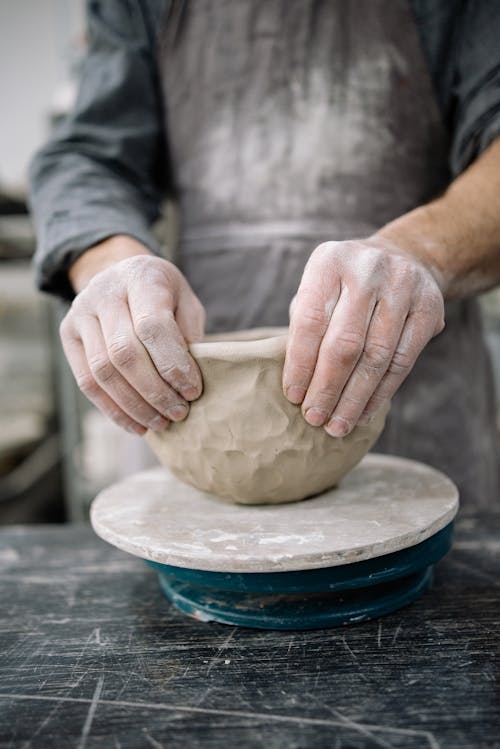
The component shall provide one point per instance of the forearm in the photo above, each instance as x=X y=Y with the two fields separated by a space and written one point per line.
x=457 y=235
x=98 y=175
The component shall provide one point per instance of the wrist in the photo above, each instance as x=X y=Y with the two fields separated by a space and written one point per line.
x=412 y=235
x=102 y=256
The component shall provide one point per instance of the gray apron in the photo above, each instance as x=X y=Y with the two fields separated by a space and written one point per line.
x=299 y=121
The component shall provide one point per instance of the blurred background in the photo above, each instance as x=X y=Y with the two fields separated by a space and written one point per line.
x=56 y=451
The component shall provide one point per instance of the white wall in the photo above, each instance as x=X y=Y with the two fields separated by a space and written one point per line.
x=38 y=39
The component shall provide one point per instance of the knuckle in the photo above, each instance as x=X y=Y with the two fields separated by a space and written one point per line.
x=164 y=275
x=402 y=287
x=378 y=257
x=161 y=400
x=313 y=320
x=101 y=368
x=324 y=399
x=172 y=373
x=327 y=394
x=198 y=312
x=373 y=265
x=379 y=398
x=440 y=325
x=401 y=363
x=400 y=264
x=198 y=307
x=406 y=274
x=122 y=353
x=117 y=416
x=68 y=330
x=87 y=384
x=430 y=315
x=349 y=347
x=434 y=304
x=134 y=406
x=322 y=250
x=79 y=305
x=298 y=372
x=148 y=328
x=352 y=403
x=377 y=355
x=64 y=328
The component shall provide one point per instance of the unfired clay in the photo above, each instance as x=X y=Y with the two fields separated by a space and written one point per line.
x=243 y=440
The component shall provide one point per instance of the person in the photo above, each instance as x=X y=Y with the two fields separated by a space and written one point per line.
x=337 y=163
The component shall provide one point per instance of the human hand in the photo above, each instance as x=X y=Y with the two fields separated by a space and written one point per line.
x=362 y=314
x=125 y=338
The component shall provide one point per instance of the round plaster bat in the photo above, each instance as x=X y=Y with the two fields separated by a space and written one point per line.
x=243 y=440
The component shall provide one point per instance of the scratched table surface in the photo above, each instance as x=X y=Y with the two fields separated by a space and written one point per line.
x=92 y=655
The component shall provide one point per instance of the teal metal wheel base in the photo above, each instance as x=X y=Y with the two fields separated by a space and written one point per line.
x=355 y=552
x=308 y=599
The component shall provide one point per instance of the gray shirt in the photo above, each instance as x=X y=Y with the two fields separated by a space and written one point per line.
x=105 y=170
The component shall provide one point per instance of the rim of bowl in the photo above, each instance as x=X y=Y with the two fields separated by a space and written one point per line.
x=255 y=343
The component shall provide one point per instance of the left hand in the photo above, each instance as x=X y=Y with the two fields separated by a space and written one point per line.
x=362 y=314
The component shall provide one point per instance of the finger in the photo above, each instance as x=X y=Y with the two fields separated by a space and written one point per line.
x=129 y=357
x=111 y=381
x=310 y=314
x=339 y=353
x=382 y=339
x=156 y=328
x=190 y=317
x=75 y=354
x=413 y=339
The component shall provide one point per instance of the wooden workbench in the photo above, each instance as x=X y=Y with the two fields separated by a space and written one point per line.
x=92 y=655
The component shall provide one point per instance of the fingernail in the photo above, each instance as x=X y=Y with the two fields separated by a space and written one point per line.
x=338 y=427
x=177 y=412
x=190 y=393
x=295 y=394
x=315 y=417
x=158 y=423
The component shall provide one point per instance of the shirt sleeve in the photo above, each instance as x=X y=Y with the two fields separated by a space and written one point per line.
x=476 y=83
x=104 y=170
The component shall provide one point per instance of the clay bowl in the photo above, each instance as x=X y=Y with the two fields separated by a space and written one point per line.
x=243 y=440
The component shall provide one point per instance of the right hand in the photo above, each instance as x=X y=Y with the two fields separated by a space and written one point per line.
x=125 y=338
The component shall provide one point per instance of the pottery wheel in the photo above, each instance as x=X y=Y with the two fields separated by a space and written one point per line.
x=374 y=539
x=384 y=505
